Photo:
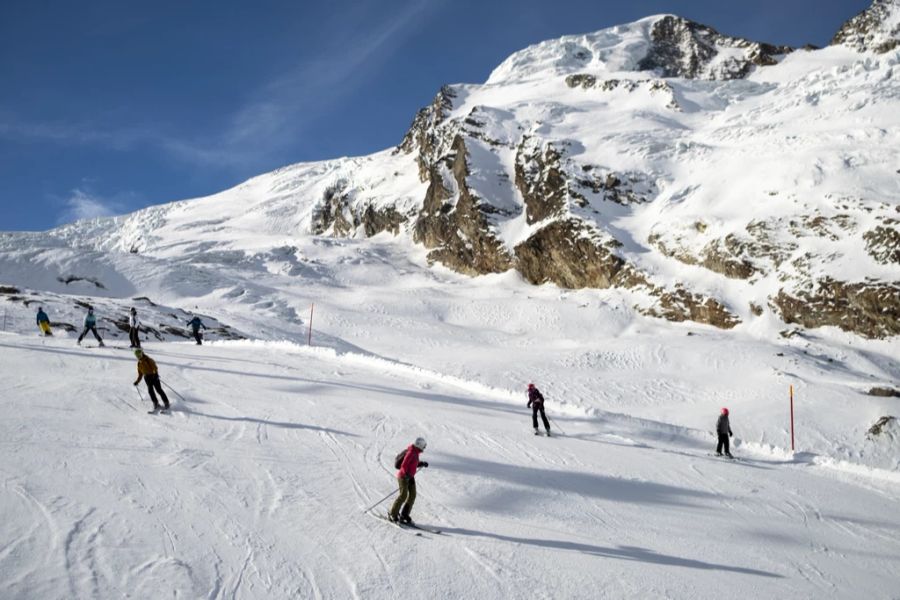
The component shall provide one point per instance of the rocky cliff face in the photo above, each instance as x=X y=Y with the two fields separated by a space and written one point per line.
x=455 y=222
x=876 y=29
x=683 y=48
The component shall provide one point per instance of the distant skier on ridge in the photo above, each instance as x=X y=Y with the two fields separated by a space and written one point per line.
x=134 y=325
x=406 y=479
x=536 y=404
x=147 y=369
x=90 y=324
x=723 y=430
x=196 y=324
x=43 y=321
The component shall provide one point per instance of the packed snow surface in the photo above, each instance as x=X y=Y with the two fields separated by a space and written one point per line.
x=255 y=485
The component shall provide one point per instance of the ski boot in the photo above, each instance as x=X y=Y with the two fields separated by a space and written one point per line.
x=536 y=432
x=392 y=518
x=548 y=433
x=406 y=520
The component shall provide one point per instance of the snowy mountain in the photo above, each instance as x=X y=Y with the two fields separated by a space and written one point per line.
x=711 y=179
x=650 y=222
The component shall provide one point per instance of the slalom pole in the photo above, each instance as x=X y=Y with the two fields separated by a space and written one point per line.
x=397 y=491
x=173 y=390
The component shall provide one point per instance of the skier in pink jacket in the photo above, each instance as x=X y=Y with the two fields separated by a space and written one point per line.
x=406 y=479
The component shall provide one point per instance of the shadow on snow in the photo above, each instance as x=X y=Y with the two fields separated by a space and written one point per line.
x=630 y=553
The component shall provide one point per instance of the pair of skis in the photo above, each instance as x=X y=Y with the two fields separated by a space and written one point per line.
x=412 y=528
x=735 y=458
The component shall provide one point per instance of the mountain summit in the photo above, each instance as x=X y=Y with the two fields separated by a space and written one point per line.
x=667 y=45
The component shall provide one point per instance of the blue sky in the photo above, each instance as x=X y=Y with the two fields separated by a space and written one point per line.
x=110 y=106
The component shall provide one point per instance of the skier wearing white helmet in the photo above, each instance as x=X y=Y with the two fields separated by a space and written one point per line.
x=406 y=479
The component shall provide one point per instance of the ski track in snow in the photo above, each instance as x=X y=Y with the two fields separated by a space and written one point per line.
x=254 y=488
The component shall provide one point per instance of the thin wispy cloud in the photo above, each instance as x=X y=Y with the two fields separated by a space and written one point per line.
x=272 y=117
x=284 y=106
x=84 y=204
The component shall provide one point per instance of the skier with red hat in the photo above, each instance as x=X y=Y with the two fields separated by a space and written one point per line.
x=536 y=404
x=723 y=430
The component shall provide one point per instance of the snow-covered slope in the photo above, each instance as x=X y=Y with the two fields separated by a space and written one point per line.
x=255 y=485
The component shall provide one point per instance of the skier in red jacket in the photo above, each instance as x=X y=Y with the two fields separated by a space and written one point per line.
x=406 y=479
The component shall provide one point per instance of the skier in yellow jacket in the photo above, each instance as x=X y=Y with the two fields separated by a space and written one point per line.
x=146 y=368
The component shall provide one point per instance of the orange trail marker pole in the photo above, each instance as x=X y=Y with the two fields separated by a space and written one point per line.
x=791 y=389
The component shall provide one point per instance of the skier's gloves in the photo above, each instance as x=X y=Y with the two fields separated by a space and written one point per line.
x=136 y=382
x=423 y=465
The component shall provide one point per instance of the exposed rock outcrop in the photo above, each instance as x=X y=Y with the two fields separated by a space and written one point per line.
x=884 y=392
x=680 y=304
x=876 y=29
x=336 y=212
x=540 y=180
x=454 y=220
x=683 y=48
x=883 y=242
x=871 y=310
x=885 y=426
x=331 y=212
x=567 y=253
x=423 y=136
x=652 y=86
x=736 y=255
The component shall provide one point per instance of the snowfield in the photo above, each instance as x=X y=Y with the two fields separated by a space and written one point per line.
x=254 y=487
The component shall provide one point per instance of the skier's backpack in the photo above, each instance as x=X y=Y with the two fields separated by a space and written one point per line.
x=398 y=461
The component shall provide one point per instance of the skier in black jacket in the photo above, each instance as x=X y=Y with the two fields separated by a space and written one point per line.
x=536 y=404
x=723 y=430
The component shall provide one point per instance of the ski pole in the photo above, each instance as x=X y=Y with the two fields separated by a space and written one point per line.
x=140 y=395
x=382 y=500
x=557 y=426
x=173 y=391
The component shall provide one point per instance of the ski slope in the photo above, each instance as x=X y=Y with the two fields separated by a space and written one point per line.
x=254 y=487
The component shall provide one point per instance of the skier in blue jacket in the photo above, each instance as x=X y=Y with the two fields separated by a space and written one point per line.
x=43 y=321
x=196 y=324
x=90 y=324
